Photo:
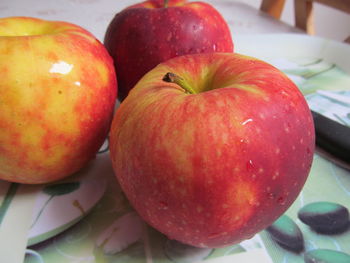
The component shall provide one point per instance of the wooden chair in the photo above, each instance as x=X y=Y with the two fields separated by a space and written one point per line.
x=273 y=7
x=303 y=11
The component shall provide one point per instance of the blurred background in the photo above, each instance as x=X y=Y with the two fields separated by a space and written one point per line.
x=329 y=22
x=95 y=15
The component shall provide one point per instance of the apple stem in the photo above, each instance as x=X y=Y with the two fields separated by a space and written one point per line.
x=173 y=78
x=166 y=3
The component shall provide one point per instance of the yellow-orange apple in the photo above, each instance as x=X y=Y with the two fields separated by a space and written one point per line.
x=57 y=94
x=216 y=151
x=145 y=34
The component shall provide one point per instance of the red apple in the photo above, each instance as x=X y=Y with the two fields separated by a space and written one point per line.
x=57 y=94
x=143 y=35
x=219 y=154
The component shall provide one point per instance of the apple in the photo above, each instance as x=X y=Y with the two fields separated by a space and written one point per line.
x=146 y=34
x=212 y=148
x=57 y=94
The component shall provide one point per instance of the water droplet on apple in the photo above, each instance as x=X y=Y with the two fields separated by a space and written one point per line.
x=247 y=121
x=254 y=203
x=244 y=141
x=236 y=218
x=250 y=166
x=214 y=235
x=163 y=205
x=308 y=151
x=281 y=200
x=270 y=195
x=287 y=109
x=169 y=36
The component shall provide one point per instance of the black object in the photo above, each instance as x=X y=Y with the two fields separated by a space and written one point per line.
x=325 y=217
x=332 y=136
x=287 y=234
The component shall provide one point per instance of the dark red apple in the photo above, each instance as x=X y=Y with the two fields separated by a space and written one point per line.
x=145 y=34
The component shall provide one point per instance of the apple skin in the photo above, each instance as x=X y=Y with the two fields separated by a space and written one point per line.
x=57 y=95
x=146 y=34
x=212 y=168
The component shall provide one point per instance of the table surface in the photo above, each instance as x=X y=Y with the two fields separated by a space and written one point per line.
x=95 y=15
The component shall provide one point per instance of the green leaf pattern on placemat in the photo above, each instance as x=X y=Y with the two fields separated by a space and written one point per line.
x=56 y=190
x=7 y=200
x=312 y=74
